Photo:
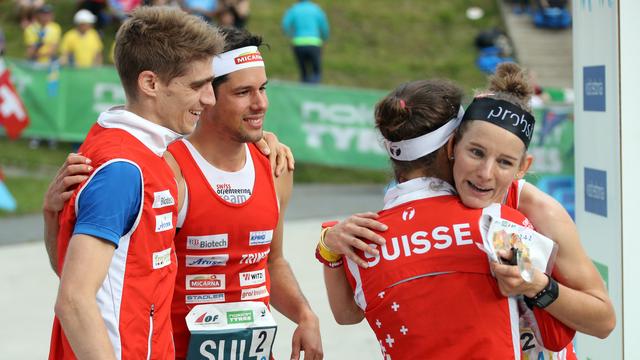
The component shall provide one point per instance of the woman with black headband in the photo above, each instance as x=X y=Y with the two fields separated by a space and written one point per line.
x=509 y=159
x=428 y=292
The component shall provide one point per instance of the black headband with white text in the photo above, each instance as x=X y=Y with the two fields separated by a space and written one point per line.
x=504 y=114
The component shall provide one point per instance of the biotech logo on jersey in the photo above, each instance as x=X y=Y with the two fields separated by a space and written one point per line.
x=162 y=199
x=204 y=298
x=260 y=237
x=247 y=58
x=254 y=293
x=239 y=317
x=408 y=214
x=161 y=258
x=252 y=278
x=254 y=258
x=205 y=282
x=164 y=222
x=208 y=242
x=206 y=261
x=207 y=319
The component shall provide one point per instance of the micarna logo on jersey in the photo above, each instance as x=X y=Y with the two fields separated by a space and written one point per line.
x=205 y=282
x=239 y=317
x=248 y=57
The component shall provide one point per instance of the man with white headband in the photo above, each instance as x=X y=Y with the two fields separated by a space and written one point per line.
x=231 y=221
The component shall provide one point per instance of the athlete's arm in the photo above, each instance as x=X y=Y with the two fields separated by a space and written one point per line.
x=86 y=265
x=177 y=174
x=583 y=303
x=343 y=307
x=286 y=295
x=75 y=170
x=106 y=211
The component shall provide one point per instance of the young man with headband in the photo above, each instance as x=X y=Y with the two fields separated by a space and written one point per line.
x=115 y=240
x=233 y=212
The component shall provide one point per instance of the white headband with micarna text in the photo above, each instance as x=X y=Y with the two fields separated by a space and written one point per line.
x=236 y=59
x=412 y=149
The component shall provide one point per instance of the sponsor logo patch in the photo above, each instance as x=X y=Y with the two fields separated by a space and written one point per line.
x=164 y=222
x=252 y=278
x=260 y=237
x=239 y=317
x=205 y=282
x=248 y=57
x=254 y=293
x=162 y=199
x=207 y=319
x=204 y=298
x=254 y=257
x=206 y=261
x=207 y=242
x=161 y=258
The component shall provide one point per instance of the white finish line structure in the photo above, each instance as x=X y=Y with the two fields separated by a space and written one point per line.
x=607 y=151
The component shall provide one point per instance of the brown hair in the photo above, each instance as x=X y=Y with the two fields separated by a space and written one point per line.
x=414 y=109
x=509 y=83
x=162 y=39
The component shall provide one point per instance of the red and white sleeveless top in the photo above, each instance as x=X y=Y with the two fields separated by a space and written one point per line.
x=430 y=293
x=223 y=247
x=135 y=298
x=539 y=330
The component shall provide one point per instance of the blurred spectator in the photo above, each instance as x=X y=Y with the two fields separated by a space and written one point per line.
x=42 y=37
x=161 y=3
x=121 y=8
x=494 y=48
x=26 y=10
x=99 y=9
x=1 y=42
x=209 y=10
x=81 y=46
x=306 y=25
x=235 y=13
x=552 y=14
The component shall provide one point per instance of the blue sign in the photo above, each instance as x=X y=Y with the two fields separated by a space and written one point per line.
x=595 y=191
x=593 y=88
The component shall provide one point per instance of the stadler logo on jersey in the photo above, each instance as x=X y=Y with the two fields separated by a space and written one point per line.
x=248 y=57
x=260 y=237
x=408 y=213
x=204 y=298
x=205 y=282
x=207 y=242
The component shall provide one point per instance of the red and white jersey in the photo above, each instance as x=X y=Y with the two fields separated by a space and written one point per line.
x=223 y=247
x=135 y=298
x=430 y=293
x=539 y=330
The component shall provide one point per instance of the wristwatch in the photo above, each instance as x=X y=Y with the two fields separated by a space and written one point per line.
x=545 y=297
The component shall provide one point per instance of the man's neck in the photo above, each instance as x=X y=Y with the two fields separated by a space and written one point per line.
x=224 y=153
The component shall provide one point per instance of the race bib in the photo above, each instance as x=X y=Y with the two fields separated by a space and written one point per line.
x=239 y=330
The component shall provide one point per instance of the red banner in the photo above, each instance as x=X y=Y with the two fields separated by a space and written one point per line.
x=13 y=115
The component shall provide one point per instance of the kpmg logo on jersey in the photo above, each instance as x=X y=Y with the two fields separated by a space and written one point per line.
x=161 y=258
x=162 y=198
x=408 y=214
x=260 y=237
x=208 y=242
x=164 y=222
x=252 y=278
x=254 y=293
x=206 y=261
x=204 y=298
x=206 y=282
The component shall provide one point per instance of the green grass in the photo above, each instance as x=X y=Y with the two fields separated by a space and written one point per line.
x=373 y=44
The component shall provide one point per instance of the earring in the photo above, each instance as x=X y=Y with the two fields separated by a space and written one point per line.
x=451 y=157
